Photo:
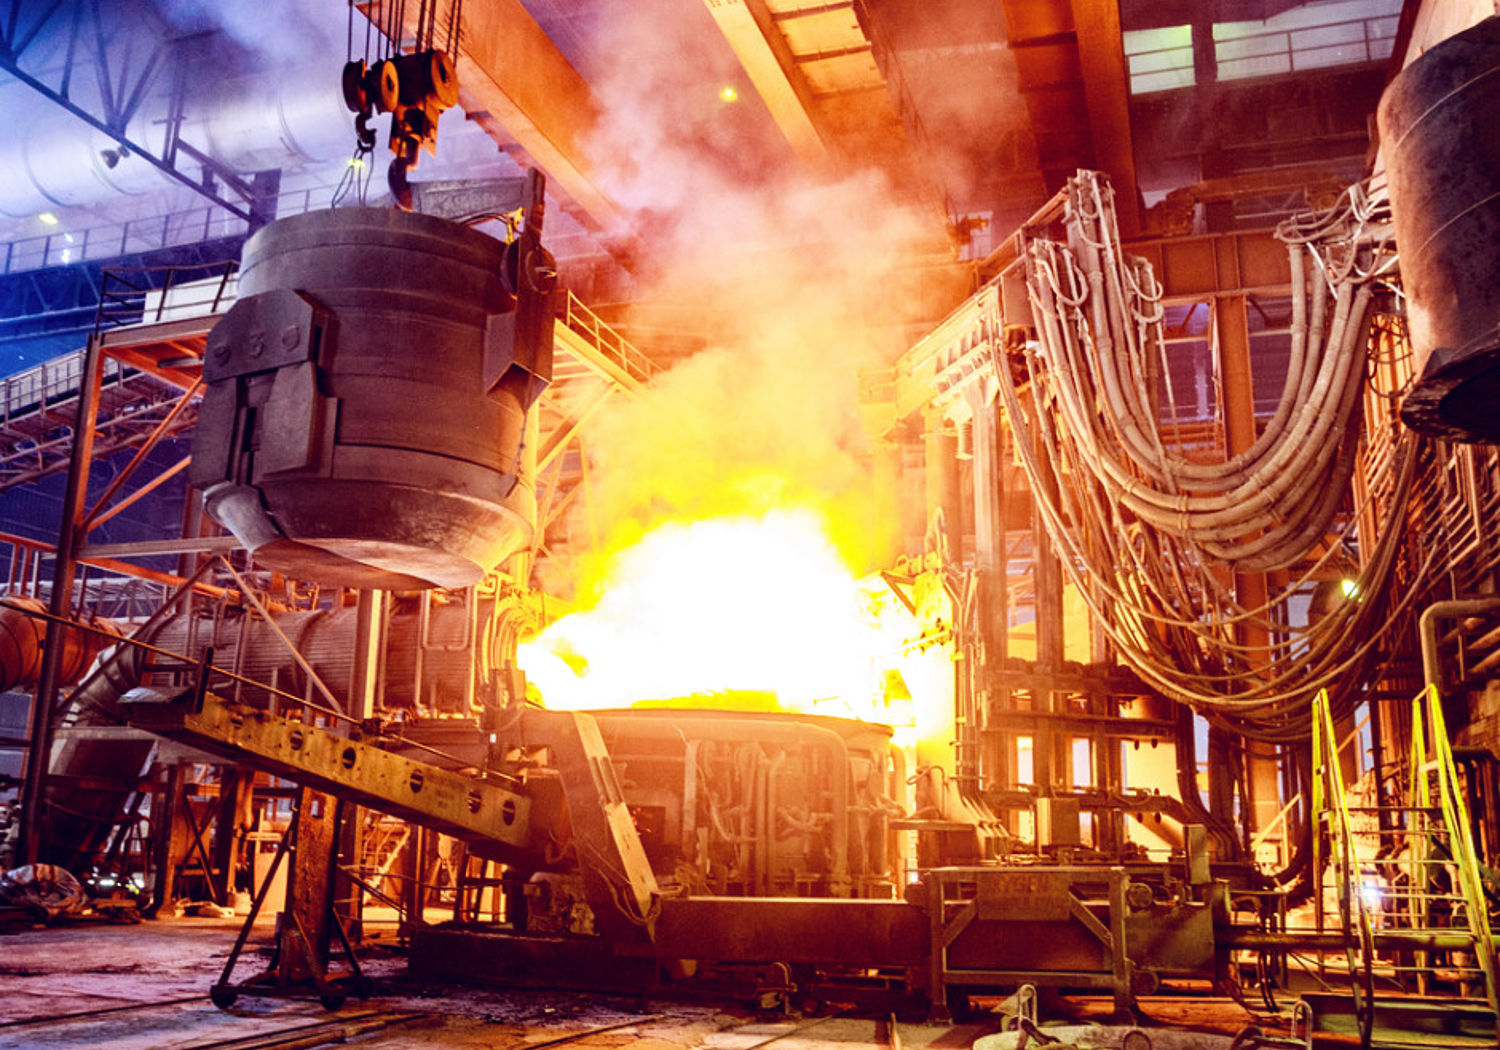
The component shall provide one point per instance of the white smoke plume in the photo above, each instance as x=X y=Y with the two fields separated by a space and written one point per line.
x=792 y=274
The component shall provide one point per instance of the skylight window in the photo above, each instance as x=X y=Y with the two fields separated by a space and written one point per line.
x=1319 y=35
x=1159 y=59
x=1314 y=36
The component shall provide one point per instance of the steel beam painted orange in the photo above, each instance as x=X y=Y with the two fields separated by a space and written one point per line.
x=1106 y=90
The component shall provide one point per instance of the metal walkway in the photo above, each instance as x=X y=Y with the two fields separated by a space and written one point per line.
x=148 y=366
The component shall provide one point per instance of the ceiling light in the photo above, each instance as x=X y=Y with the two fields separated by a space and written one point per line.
x=356 y=162
x=1349 y=587
x=48 y=218
x=728 y=94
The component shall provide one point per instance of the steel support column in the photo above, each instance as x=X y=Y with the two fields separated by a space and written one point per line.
x=992 y=616
x=1050 y=750
x=989 y=526
x=65 y=565
x=1106 y=83
x=1252 y=590
x=305 y=931
x=943 y=486
x=363 y=698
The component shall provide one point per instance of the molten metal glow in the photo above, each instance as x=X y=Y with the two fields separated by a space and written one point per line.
x=729 y=605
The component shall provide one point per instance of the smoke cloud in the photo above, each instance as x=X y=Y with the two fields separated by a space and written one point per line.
x=791 y=273
x=303 y=33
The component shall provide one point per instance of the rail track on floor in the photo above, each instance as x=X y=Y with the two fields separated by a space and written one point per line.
x=307 y=1033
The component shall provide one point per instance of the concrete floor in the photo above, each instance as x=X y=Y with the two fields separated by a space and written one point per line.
x=48 y=972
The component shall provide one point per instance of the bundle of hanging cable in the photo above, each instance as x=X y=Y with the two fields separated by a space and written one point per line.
x=1149 y=536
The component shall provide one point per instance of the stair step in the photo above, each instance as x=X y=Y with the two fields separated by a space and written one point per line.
x=1408 y=1022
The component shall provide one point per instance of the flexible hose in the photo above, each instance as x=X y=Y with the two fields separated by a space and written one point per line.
x=1142 y=531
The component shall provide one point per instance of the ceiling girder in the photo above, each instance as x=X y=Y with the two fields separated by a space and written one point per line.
x=511 y=73
x=762 y=49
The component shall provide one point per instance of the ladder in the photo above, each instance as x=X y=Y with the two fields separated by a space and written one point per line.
x=1442 y=847
x=1409 y=867
x=1331 y=814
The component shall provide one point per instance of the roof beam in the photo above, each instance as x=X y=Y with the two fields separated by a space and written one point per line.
x=1106 y=90
x=510 y=70
x=762 y=49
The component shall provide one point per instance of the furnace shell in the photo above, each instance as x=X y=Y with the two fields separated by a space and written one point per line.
x=366 y=401
x=1442 y=151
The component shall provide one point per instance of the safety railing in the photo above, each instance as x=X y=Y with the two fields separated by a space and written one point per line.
x=63 y=247
x=1296 y=48
x=150 y=295
x=1330 y=807
x=1413 y=867
x=608 y=342
x=1445 y=850
x=143 y=296
x=1317 y=36
x=23 y=556
x=48 y=385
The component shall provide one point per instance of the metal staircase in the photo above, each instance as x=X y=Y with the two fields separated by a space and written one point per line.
x=1444 y=862
x=1408 y=867
x=1333 y=831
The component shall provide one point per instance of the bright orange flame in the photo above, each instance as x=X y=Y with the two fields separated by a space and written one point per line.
x=742 y=604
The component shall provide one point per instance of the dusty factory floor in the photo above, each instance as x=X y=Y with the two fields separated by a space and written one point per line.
x=144 y=987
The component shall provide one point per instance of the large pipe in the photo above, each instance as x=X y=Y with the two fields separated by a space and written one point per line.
x=1432 y=673
x=1307 y=940
x=293 y=118
x=21 y=644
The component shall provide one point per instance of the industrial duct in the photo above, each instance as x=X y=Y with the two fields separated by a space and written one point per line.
x=250 y=124
x=22 y=637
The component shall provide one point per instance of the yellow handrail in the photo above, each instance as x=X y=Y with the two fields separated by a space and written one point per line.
x=1460 y=833
x=1331 y=805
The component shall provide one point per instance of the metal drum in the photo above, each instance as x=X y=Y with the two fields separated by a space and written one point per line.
x=366 y=401
x=1441 y=137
